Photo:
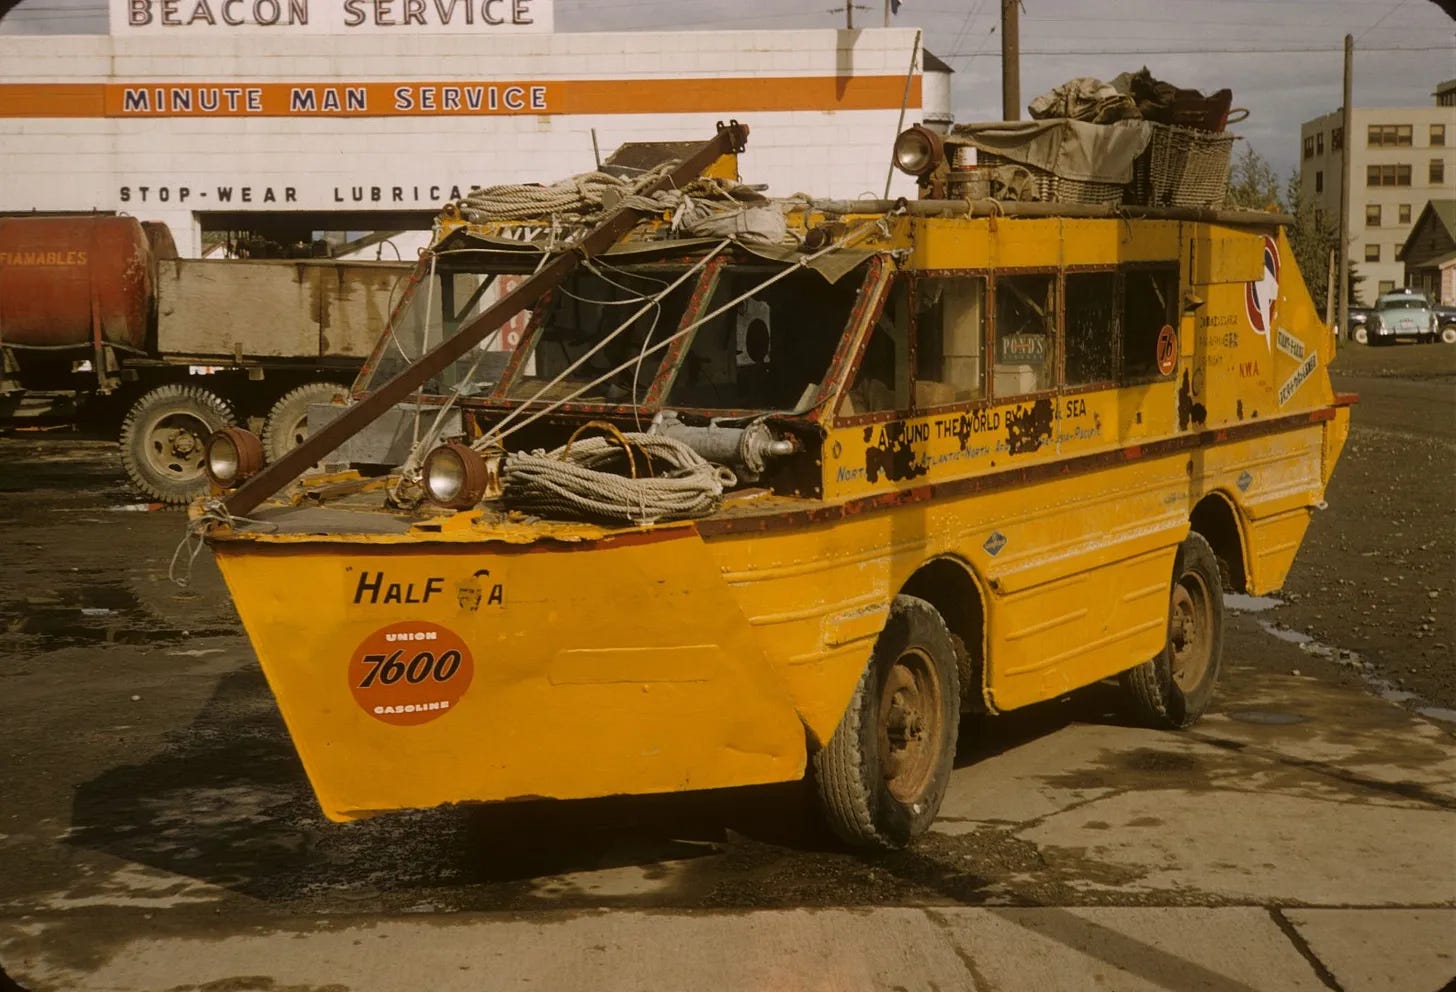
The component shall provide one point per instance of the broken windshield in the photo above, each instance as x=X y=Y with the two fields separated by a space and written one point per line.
x=595 y=341
x=770 y=351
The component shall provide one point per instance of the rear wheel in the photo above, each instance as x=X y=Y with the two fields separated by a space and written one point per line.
x=1362 y=336
x=1448 y=334
x=1173 y=689
x=287 y=423
x=163 y=437
x=883 y=774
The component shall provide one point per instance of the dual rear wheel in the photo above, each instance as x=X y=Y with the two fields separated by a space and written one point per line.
x=163 y=436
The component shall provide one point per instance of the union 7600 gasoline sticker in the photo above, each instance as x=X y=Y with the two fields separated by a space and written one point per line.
x=410 y=673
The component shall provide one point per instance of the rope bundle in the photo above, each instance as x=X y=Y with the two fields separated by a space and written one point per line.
x=598 y=479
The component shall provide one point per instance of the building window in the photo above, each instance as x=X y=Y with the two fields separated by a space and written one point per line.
x=1372 y=253
x=1386 y=286
x=1309 y=147
x=1388 y=136
x=1319 y=143
x=1438 y=135
x=1319 y=181
x=1337 y=139
x=1387 y=175
x=1404 y=210
x=1372 y=215
x=1438 y=171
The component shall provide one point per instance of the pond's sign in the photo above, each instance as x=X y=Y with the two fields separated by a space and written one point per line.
x=281 y=17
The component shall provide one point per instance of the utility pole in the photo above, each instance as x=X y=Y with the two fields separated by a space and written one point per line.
x=1011 y=60
x=1346 y=144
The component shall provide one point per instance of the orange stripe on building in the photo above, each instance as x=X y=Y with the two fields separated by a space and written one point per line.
x=455 y=98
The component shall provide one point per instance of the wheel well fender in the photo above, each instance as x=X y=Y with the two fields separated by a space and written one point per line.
x=1216 y=518
x=951 y=585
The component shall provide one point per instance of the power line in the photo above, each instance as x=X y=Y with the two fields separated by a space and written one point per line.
x=1204 y=50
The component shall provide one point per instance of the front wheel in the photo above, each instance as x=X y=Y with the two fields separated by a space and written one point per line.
x=1173 y=689
x=883 y=774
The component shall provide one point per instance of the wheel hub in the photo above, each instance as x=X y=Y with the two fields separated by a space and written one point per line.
x=910 y=708
x=1190 y=627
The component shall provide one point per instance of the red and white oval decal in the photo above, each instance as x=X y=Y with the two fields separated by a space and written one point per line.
x=1261 y=296
x=411 y=672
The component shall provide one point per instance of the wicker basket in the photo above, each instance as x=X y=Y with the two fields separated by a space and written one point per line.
x=1182 y=167
x=1047 y=187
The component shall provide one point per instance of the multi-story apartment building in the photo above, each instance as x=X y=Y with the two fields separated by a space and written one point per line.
x=1400 y=158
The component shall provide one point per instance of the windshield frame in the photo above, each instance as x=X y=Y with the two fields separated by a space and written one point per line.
x=872 y=287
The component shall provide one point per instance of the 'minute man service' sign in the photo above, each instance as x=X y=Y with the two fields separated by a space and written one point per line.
x=161 y=17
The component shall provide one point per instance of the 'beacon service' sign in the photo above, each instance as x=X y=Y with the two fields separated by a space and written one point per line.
x=153 y=17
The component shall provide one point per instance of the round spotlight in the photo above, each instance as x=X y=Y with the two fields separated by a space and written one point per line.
x=455 y=476
x=918 y=150
x=232 y=455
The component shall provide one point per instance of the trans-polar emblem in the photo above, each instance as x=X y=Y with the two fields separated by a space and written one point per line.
x=994 y=543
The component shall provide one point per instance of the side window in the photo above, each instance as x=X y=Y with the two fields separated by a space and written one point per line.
x=950 y=322
x=883 y=380
x=1149 y=297
x=1090 y=325
x=1026 y=324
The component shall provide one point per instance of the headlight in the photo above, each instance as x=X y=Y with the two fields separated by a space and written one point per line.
x=455 y=476
x=232 y=455
x=918 y=150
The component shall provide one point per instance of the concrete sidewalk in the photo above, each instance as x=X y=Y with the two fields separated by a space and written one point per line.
x=1236 y=949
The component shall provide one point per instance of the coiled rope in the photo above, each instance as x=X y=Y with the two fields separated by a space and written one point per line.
x=597 y=479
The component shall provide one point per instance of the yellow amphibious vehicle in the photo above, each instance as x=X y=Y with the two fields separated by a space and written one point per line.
x=722 y=490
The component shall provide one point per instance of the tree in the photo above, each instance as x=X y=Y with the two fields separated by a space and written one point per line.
x=1312 y=237
x=1253 y=183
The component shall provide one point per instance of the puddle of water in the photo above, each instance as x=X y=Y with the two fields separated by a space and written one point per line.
x=1382 y=687
x=1250 y=604
x=93 y=614
x=1291 y=636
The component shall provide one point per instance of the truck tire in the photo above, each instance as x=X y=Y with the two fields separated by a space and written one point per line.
x=163 y=437
x=287 y=423
x=1171 y=691
x=883 y=774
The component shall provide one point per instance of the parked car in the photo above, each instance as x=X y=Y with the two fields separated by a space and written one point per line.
x=1445 y=322
x=1355 y=327
x=1401 y=315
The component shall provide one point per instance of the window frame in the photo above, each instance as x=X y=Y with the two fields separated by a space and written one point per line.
x=1172 y=316
x=1056 y=385
x=1372 y=251
x=987 y=325
x=1116 y=272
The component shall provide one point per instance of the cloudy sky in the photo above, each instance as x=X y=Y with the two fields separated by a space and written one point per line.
x=1282 y=58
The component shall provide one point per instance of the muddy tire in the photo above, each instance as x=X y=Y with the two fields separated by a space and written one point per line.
x=1173 y=689
x=162 y=440
x=287 y=423
x=882 y=776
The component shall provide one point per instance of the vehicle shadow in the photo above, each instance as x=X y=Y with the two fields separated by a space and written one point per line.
x=225 y=805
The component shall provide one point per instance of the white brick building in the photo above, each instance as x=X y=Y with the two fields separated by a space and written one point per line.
x=209 y=130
